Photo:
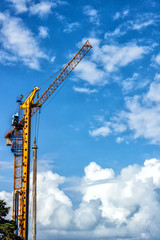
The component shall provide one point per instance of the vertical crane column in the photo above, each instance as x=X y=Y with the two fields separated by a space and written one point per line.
x=27 y=106
x=26 y=168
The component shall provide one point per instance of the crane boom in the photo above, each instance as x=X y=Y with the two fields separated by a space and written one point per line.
x=59 y=79
x=20 y=136
x=64 y=73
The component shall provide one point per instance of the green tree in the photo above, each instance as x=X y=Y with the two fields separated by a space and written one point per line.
x=7 y=227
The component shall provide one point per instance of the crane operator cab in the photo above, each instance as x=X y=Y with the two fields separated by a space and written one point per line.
x=15 y=119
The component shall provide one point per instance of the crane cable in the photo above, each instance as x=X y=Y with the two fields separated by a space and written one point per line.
x=46 y=79
x=60 y=88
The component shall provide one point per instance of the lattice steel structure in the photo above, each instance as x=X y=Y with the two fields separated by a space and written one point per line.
x=20 y=134
x=17 y=149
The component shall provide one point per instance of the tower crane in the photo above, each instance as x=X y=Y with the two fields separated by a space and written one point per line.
x=19 y=138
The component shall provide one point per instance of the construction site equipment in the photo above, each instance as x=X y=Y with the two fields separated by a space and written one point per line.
x=19 y=139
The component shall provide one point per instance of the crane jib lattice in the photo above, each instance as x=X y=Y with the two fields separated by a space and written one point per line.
x=64 y=73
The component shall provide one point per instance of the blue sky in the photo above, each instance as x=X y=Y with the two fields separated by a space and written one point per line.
x=98 y=141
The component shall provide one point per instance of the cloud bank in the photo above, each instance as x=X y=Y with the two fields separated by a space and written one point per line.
x=111 y=206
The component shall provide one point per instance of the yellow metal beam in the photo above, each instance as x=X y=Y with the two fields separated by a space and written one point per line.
x=27 y=106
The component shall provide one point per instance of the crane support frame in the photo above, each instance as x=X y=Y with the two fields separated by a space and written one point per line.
x=21 y=135
x=27 y=106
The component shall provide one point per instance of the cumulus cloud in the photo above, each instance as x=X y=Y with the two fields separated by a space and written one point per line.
x=42 y=9
x=52 y=201
x=107 y=59
x=112 y=206
x=20 y=5
x=123 y=201
x=105 y=128
x=89 y=72
x=19 y=43
x=101 y=131
x=119 y=56
x=141 y=117
x=143 y=120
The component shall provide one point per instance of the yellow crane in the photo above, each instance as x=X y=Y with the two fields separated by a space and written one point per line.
x=19 y=138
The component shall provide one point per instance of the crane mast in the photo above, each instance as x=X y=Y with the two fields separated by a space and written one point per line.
x=19 y=138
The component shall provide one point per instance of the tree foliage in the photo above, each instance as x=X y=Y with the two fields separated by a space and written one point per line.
x=7 y=227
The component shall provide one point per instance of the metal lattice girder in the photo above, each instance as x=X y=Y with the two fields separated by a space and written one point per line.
x=64 y=73
x=17 y=148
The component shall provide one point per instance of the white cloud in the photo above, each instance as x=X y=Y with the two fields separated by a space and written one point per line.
x=70 y=27
x=129 y=82
x=101 y=131
x=43 y=31
x=94 y=172
x=153 y=92
x=92 y=14
x=107 y=127
x=42 y=9
x=52 y=59
x=157 y=59
x=107 y=59
x=122 y=14
x=143 y=119
x=119 y=139
x=88 y=215
x=143 y=21
x=134 y=82
x=52 y=202
x=138 y=24
x=19 y=43
x=84 y=90
x=6 y=58
x=112 y=206
x=120 y=56
x=8 y=198
x=136 y=188
x=89 y=72
x=116 y=33
x=20 y=5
